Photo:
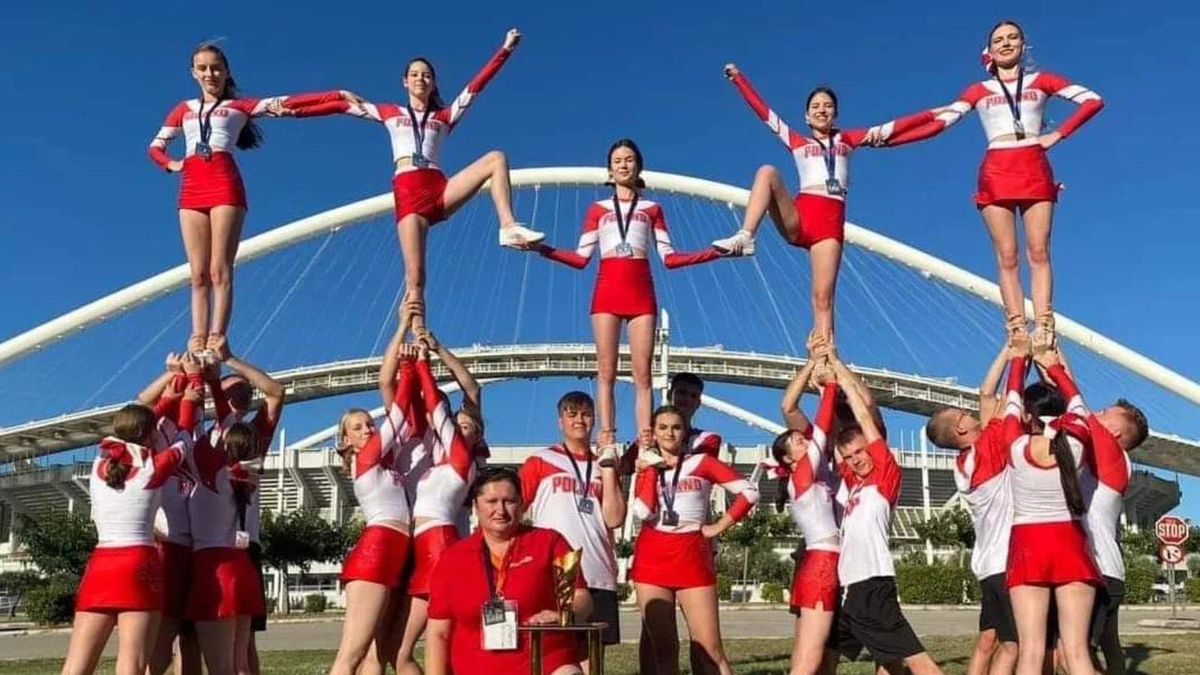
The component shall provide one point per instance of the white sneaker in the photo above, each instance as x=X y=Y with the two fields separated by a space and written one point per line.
x=516 y=235
x=609 y=456
x=741 y=243
x=651 y=458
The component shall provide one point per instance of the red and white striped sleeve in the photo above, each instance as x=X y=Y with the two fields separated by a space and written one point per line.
x=1062 y=379
x=319 y=105
x=405 y=417
x=450 y=448
x=707 y=442
x=774 y=122
x=171 y=128
x=1013 y=419
x=943 y=118
x=900 y=125
x=1111 y=464
x=314 y=104
x=167 y=460
x=1089 y=102
x=720 y=473
x=531 y=473
x=818 y=440
x=662 y=242
x=645 y=493
x=454 y=112
x=589 y=239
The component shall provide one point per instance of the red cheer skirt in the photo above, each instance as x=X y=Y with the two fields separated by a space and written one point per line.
x=1050 y=554
x=427 y=551
x=224 y=584
x=1013 y=177
x=625 y=288
x=673 y=560
x=421 y=192
x=379 y=557
x=212 y=182
x=121 y=579
x=815 y=582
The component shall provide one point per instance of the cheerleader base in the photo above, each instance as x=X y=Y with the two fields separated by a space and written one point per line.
x=427 y=550
x=121 y=579
x=675 y=561
x=379 y=557
x=211 y=182
x=177 y=576
x=224 y=584
x=819 y=218
x=420 y=192
x=624 y=288
x=1016 y=177
x=815 y=582
x=1050 y=554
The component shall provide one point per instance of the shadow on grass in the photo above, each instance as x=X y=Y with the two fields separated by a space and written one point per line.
x=1138 y=653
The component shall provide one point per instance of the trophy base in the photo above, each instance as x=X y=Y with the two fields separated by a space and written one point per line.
x=566 y=618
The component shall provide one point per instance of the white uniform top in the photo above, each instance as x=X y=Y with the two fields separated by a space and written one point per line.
x=645 y=226
x=984 y=480
x=228 y=119
x=172 y=523
x=379 y=486
x=867 y=506
x=551 y=488
x=691 y=496
x=441 y=482
x=813 y=482
x=125 y=516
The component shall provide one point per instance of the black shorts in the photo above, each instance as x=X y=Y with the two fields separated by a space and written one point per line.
x=258 y=622
x=604 y=608
x=995 y=608
x=1104 y=611
x=870 y=617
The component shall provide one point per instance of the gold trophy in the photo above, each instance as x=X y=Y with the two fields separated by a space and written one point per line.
x=566 y=568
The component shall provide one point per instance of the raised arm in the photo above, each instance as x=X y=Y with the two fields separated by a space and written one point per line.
x=391 y=360
x=472 y=392
x=612 y=499
x=589 y=239
x=172 y=127
x=863 y=414
x=662 y=242
x=272 y=391
x=150 y=394
x=1051 y=361
x=452 y=114
x=793 y=416
x=774 y=122
x=989 y=399
x=450 y=447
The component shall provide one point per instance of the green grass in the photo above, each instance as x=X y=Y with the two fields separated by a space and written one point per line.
x=1173 y=654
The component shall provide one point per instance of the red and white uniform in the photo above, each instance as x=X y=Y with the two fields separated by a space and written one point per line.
x=124 y=572
x=551 y=488
x=1104 y=482
x=381 y=552
x=173 y=525
x=705 y=443
x=679 y=556
x=867 y=507
x=1014 y=171
x=984 y=481
x=441 y=486
x=810 y=487
x=624 y=285
x=264 y=426
x=822 y=215
x=416 y=189
x=1048 y=545
x=215 y=181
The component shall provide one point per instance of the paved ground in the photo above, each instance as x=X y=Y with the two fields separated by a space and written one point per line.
x=735 y=623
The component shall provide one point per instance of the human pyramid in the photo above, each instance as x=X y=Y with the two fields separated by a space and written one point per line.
x=175 y=500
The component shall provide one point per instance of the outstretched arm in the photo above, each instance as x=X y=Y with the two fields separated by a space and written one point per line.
x=452 y=114
x=793 y=416
x=774 y=122
x=989 y=400
x=943 y=118
x=391 y=359
x=1051 y=361
x=879 y=134
x=662 y=242
x=589 y=239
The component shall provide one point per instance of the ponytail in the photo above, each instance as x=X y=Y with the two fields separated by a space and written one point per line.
x=1068 y=474
x=115 y=473
x=779 y=452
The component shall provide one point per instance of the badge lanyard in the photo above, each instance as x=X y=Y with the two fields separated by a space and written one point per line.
x=203 y=148
x=1014 y=102
x=418 y=130
x=623 y=225
x=496 y=579
x=583 y=501
x=670 y=517
x=829 y=154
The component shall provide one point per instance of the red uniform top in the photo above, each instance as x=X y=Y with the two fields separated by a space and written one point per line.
x=460 y=588
x=645 y=222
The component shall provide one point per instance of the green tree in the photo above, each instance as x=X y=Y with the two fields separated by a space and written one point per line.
x=948 y=527
x=18 y=584
x=298 y=539
x=57 y=542
x=1138 y=542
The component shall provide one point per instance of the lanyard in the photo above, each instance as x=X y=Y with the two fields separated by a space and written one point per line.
x=579 y=476
x=829 y=154
x=622 y=224
x=496 y=578
x=669 y=501
x=418 y=129
x=1014 y=102
x=206 y=121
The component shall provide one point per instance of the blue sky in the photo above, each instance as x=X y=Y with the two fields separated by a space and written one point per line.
x=85 y=212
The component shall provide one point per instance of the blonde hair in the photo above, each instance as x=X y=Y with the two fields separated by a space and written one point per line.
x=345 y=450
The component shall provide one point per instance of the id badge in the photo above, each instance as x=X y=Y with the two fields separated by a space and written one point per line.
x=204 y=150
x=587 y=506
x=420 y=161
x=1018 y=128
x=499 y=625
x=834 y=187
x=624 y=249
x=241 y=539
x=669 y=519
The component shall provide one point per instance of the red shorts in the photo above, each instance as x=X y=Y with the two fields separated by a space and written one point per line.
x=420 y=191
x=224 y=584
x=121 y=579
x=820 y=218
x=378 y=557
x=1012 y=177
x=625 y=288
x=1050 y=554
x=671 y=560
x=212 y=182
x=427 y=550
x=815 y=582
x=177 y=576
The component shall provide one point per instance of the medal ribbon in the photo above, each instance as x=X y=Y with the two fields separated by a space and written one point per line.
x=622 y=224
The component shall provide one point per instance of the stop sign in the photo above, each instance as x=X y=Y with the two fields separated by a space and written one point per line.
x=1171 y=530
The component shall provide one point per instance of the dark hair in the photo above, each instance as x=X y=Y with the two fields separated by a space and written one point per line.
x=828 y=91
x=1042 y=400
x=637 y=156
x=1134 y=414
x=435 y=97
x=345 y=450
x=473 y=413
x=987 y=43
x=134 y=423
x=686 y=379
x=251 y=136
x=575 y=399
x=779 y=452
x=847 y=433
x=492 y=474
x=668 y=409
x=1068 y=474
x=241 y=443
x=240 y=393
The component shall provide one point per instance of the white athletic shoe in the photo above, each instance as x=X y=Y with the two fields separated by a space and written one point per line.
x=609 y=455
x=741 y=243
x=516 y=235
x=651 y=458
